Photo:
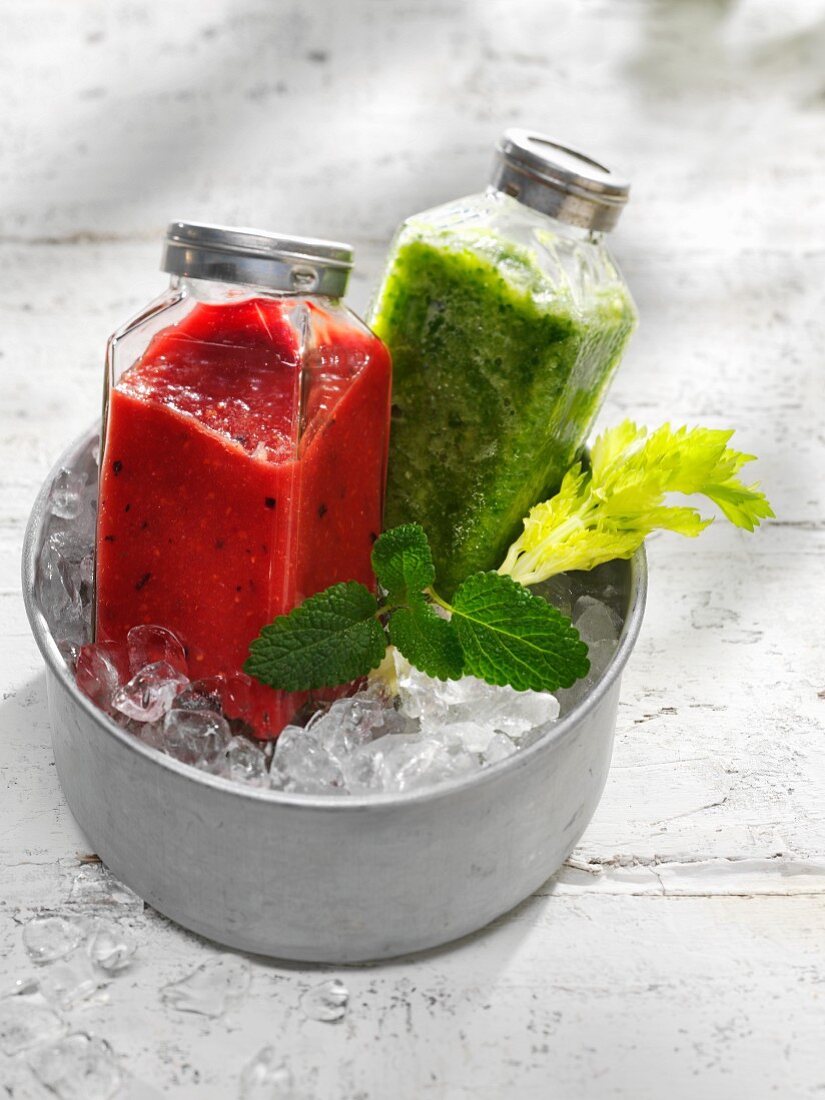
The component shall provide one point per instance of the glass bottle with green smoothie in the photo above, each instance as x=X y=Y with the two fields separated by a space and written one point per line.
x=506 y=317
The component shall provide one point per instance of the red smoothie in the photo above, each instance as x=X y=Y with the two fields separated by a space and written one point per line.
x=243 y=469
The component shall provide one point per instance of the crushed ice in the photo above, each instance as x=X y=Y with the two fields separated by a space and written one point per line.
x=150 y=693
x=27 y=1021
x=73 y=981
x=50 y=938
x=95 y=889
x=211 y=988
x=110 y=948
x=79 y=1067
x=76 y=955
x=402 y=732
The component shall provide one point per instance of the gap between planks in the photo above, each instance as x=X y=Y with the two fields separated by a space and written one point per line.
x=690 y=877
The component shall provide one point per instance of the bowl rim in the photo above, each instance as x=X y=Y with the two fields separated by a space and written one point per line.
x=321 y=802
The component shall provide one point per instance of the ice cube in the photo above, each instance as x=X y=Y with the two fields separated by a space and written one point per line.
x=301 y=764
x=326 y=1002
x=347 y=724
x=462 y=693
x=600 y=654
x=361 y=713
x=195 y=736
x=242 y=761
x=79 y=1067
x=595 y=621
x=50 y=938
x=211 y=988
x=421 y=696
x=560 y=591
x=471 y=704
x=87 y=570
x=97 y=674
x=423 y=762
x=109 y=948
x=364 y=770
x=472 y=736
x=521 y=711
x=27 y=1021
x=267 y=1077
x=150 y=693
x=67 y=494
x=289 y=733
x=75 y=545
x=498 y=748
x=151 y=733
x=72 y=981
x=147 y=644
x=69 y=651
x=203 y=694
x=58 y=593
x=514 y=712
x=95 y=888
x=238 y=696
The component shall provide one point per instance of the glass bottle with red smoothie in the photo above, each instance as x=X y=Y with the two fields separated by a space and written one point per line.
x=244 y=452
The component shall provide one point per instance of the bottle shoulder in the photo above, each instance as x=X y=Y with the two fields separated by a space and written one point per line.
x=503 y=242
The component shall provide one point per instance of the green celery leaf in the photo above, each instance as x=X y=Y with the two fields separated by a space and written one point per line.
x=510 y=636
x=427 y=641
x=403 y=562
x=329 y=639
x=608 y=510
x=743 y=505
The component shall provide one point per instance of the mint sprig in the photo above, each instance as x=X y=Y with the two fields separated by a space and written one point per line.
x=497 y=630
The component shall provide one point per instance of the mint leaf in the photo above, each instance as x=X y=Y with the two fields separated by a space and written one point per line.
x=510 y=636
x=427 y=641
x=329 y=639
x=403 y=562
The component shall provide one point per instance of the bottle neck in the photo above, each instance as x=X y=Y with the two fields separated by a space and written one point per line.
x=565 y=184
x=213 y=292
x=558 y=226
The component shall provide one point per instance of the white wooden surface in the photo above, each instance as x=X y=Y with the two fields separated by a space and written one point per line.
x=681 y=953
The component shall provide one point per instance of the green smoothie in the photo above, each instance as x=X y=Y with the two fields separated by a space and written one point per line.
x=498 y=371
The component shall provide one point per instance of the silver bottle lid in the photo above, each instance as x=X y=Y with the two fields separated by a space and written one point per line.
x=293 y=265
x=554 y=179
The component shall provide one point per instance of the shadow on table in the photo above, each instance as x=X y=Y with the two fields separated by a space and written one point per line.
x=501 y=939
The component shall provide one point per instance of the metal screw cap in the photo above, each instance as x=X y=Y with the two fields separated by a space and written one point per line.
x=292 y=265
x=554 y=179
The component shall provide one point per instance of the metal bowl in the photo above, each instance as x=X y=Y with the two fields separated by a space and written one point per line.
x=321 y=878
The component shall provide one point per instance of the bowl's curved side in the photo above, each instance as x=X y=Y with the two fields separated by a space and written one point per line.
x=320 y=878
x=308 y=883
